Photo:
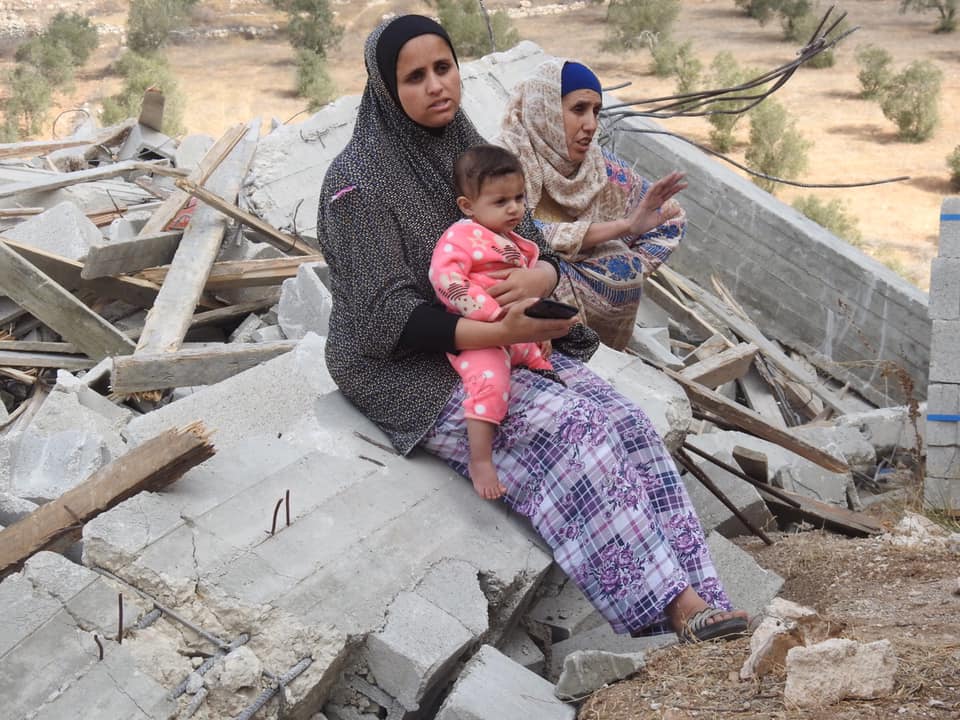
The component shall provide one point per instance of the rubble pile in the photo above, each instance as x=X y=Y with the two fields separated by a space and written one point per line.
x=198 y=523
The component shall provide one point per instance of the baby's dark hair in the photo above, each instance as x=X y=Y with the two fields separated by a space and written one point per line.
x=481 y=163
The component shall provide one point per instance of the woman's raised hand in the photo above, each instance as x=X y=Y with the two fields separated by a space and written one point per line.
x=658 y=205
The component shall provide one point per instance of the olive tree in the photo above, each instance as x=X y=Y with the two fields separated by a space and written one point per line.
x=776 y=147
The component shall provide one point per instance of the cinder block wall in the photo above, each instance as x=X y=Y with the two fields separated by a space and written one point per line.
x=801 y=284
x=942 y=487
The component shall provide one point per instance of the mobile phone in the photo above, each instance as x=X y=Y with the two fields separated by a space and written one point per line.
x=551 y=310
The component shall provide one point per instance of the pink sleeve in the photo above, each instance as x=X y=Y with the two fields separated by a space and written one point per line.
x=450 y=270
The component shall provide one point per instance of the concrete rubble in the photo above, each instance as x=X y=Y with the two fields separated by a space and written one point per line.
x=303 y=565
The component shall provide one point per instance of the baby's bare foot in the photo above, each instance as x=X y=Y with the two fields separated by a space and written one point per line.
x=485 y=480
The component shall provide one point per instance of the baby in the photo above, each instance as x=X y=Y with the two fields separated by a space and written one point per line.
x=490 y=189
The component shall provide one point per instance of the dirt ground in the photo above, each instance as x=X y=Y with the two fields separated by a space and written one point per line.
x=234 y=79
x=880 y=591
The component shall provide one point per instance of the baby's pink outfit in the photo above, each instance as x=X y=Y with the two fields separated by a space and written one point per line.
x=462 y=259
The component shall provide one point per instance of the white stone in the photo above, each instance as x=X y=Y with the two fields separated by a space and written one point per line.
x=240 y=668
x=839 y=669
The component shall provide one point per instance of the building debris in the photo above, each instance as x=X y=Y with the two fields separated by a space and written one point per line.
x=162 y=284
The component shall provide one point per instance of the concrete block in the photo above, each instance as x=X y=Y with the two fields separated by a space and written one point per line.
x=651 y=315
x=267 y=333
x=713 y=514
x=305 y=302
x=950 y=228
x=653 y=344
x=117 y=415
x=25 y=609
x=797 y=474
x=63 y=229
x=267 y=399
x=662 y=399
x=887 y=429
x=13 y=508
x=945 y=289
x=454 y=587
x=191 y=150
x=146 y=143
x=945 y=352
x=942 y=399
x=519 y=647
x=748 y=585
x=493 y=687
x=417 y=648
x=836 y=669
x=585 y=671
x=841 y=441
x=44 y=466
x=943 y=462
x=567 y=612
x=942 y=493
x=244 y=331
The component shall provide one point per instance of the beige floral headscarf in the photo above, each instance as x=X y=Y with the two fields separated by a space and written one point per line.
x=532 y=128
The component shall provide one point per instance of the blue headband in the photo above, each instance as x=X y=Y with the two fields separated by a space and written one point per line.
x=575 y=76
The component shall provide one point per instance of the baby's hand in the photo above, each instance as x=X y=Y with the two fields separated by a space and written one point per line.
x=546 y=347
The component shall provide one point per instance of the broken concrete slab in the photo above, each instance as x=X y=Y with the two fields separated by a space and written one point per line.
x=603 y=639
x=63 y=230
x=519 y=694
x=520 y=647
x=713 y=514
x=662 y=399
x=794 y=472
x=844 y=441
x=653 y=344
x=749 y=586
x=416 y=650
x=585 y=671
x=13 y=508
x=191 y=149
x=305 y=302
x=888 y=429
x=566 y=613
x=454 y=587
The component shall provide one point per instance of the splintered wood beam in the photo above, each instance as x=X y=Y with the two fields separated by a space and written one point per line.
x=68 y=272
x=242 y=273
x=62 y=180
x=36 y=148
x=748 y=331
x=188 y=367
x=208 y=163
x=148 y=466
x=128 y=256
x=281 y=241
x=169 y=318
x=63 y=361
x=57 y=308
x=750 y=422
x=723 y=367
x=680 y=312
x=820 y=514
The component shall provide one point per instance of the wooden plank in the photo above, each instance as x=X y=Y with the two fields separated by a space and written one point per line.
x=749 y=421
x=67 y=273
x=149 y=466
x=723 y=367
x=169 y=318
x=680 y=312
x=821 y=514
x=231 y=312
x=281 y=241
x=760 y=397
x=208 y=163
x=57 y=182
x=188 y=367
x=20 y=212
x=748 y=331
x=38 y=346
x=58 y=309
x=35 y=148
x=242 y=273
x=18 y=375
x=14 y=358
x=128 y=256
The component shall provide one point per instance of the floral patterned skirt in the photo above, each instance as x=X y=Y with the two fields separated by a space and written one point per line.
x=589 y=470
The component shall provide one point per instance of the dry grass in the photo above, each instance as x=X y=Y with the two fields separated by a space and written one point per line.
x=876 y=589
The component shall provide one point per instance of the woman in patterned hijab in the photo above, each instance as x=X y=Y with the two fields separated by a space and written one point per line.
x=610 y=226
x=578 y=459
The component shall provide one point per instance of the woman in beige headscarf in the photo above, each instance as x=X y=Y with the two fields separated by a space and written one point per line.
x=610 y=226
